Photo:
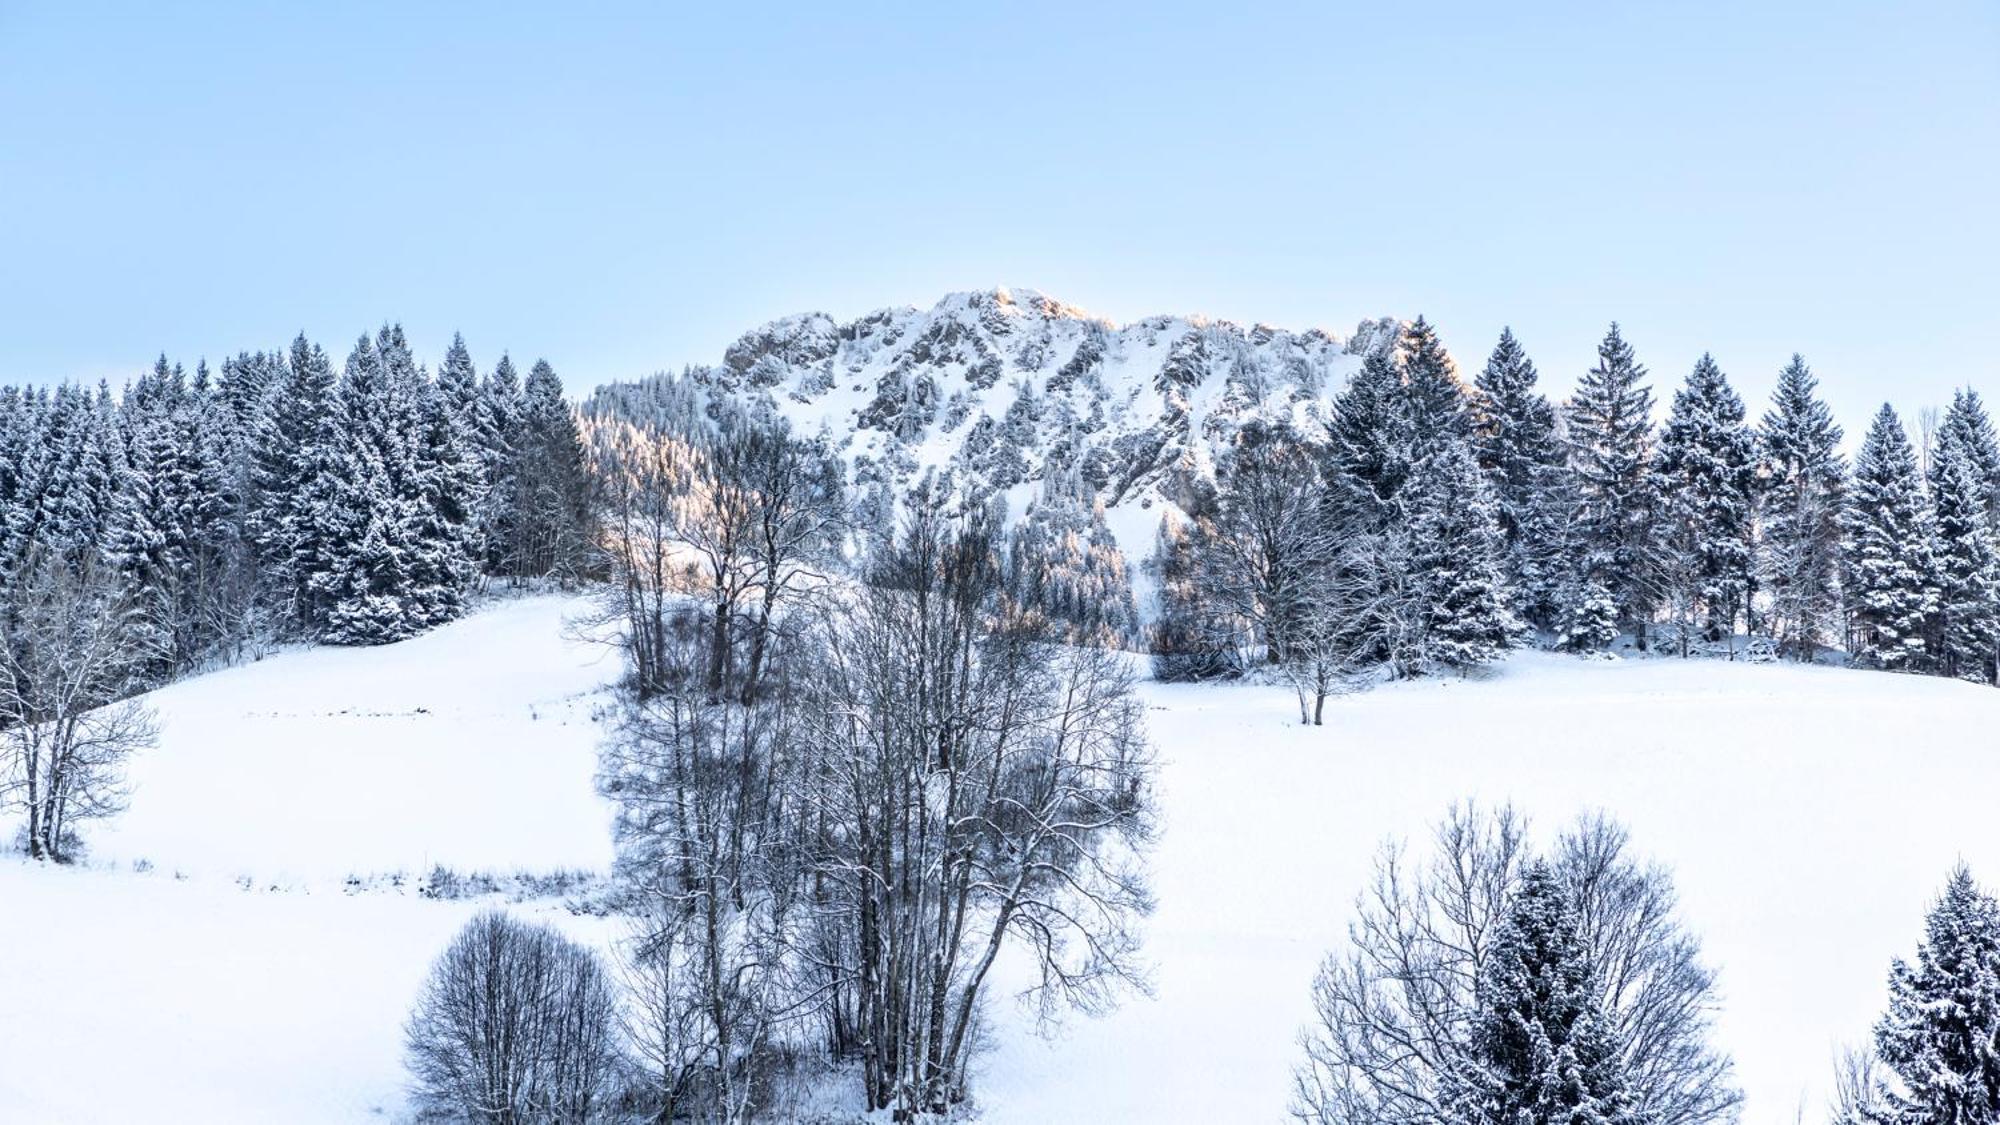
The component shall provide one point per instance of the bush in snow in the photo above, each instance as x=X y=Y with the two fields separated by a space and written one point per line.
x=516 y=1024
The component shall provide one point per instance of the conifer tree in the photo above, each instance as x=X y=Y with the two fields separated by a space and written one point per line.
x=1803 y=498
x=1610 y=432
x=1368 y=444
x=367 y=523
x=1892 y=585
x=496 y=436
x=1455 y=548
x=295 y=463
x=1967 y=424
x=1435 y=400
x=1541 y=1049
x=552 y=502
x=1516 y=435
x=1941 y=1035
x=1705 y=470
x=1968 y=565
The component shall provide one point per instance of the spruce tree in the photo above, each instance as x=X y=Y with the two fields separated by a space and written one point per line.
x=1967 y=424
x=1705 y=469
x=1803 y=496
x=1516 y=436
x=368 y=522
x=1610 y=432
x=1892 y=586
x=1368 y=443
x=294 y=466
x=551 y=513
x=1435 y=400
x=496 y=436
x=1968 y=571
x=1455 y=549
x=1541 y=1051
x=1941 y=1034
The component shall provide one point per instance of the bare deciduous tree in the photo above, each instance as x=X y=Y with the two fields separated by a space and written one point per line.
x=1392 y=1011
x=516 y=1024
x=69 y=655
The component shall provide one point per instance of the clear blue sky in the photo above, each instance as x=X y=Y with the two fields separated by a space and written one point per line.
x=624 y=188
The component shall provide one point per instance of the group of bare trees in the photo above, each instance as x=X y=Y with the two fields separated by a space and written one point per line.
x=850 y=771
x=1395 y=1038
x=70 y=655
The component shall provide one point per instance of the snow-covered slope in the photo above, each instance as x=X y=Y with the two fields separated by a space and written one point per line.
x=313 y=766
x=1809 y=814
x=1004 y=387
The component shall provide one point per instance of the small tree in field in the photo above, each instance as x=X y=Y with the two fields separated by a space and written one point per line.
x=515 y=1025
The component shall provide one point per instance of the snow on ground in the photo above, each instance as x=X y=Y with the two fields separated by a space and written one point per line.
x=1809 y=815
x=472 y=746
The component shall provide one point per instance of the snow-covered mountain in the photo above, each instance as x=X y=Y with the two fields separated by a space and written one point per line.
x=1019 y=394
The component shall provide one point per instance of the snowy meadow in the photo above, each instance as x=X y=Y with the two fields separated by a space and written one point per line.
x=1809 y=816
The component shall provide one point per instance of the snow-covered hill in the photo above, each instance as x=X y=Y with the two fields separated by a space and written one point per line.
x=1808 y=814
x=1008 y=387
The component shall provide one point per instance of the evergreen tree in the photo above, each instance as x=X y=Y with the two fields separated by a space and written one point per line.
x=1541 y=1049
x=1941 y=1034
x=1968 y=571
x=1705 y=470
x=1455 y=547
x=1368 y=444
x=295 y=461
x=1892 y=586
x=1610 y=430
x=552 y=501
x=1966 y=423
x=1516 y=435
x=1435 y=400
x=496 y=435
x=1803 y=498
x=368 y=524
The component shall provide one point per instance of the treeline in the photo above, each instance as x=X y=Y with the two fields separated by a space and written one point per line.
x=280 y=497
x=1430 y=524
x=194 y=518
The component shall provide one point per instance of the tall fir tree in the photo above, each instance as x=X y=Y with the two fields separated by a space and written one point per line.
x=1517 y=436
x=1705 y=471
x=368 y=522
x=1610 y=434
x=1799 y=557
x=1941 y=1034
x=1968 y=564
x=295 y=461
x=1368 y=442
x=1435 y=399
x=496 y=435
x=1541 y=1047
x=1892 y=585
x=1966 y=423
x=551 y=513
x=1455 y=549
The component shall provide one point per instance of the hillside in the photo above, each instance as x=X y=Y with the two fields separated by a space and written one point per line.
x=281 y=997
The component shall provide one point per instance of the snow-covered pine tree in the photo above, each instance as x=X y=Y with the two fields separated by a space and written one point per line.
x=1435 y=399
x=1803 y=496
x=1892 y=586
x=152 y=540
x=1967 y=423
x=1455 y=548
x=1941 y=1034
x=1968 y=564
x=1367 y=455
x=1704 y=472
x=368 y=590
x=295 y=463
x=1541 y=1051
x=1610 y=434
x=1517 y=437
x=551 y=517
x=496 y=436
x=1183 y=644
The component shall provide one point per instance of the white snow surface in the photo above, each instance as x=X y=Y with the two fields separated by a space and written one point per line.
x=1809 y=816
